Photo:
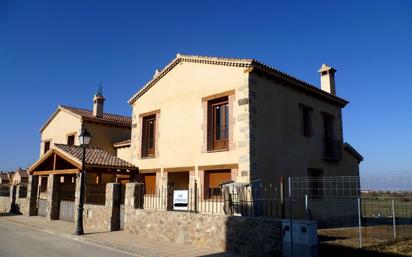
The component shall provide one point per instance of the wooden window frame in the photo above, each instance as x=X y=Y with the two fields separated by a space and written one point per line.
x=215 y=141
x=146 y=150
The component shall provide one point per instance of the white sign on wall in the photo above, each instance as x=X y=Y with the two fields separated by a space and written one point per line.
x=180 y=200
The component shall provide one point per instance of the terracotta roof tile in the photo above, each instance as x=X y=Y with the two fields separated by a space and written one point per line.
x=107 y=118
x=95 y=157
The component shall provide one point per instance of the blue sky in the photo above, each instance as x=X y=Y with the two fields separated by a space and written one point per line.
x=57 y=52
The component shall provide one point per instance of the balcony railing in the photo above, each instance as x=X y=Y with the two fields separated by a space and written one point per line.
x=332 y=149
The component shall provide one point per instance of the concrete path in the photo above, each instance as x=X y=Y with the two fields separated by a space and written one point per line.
x=18 y=241
x=62 y=233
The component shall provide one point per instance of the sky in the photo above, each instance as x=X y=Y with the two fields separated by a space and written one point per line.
x=57 y=52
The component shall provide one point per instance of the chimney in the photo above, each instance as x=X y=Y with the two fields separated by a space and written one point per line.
x=327 y=79
x=98 y=102
x=156 y=73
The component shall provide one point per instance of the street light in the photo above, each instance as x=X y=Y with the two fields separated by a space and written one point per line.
x=84 y=139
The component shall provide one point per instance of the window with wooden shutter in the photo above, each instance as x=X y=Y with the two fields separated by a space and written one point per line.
x=218 y=124
x=213 y=180
x=148 y=136
x=149 y=180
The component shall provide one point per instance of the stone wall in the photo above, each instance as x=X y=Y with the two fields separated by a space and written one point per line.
x=248 y=236
x=96 y=218
x=242 y=235
x=103 y=218
x=22 y=206
x=4 y=204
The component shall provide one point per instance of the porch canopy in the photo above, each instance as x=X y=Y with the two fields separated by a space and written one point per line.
x=67 y=159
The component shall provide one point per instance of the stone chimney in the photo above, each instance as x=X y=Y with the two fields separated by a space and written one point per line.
x=156 y=73
x=98 y=102
x=327 y=79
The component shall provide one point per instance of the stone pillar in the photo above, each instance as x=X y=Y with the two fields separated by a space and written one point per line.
x=113 y=203
x=32 y=194
x=13 y=190
x=130 y=204
x=77 y=197
x=53 y=199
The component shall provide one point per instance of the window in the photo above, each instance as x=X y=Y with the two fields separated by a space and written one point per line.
x=148 y=136
x=43 y=184
x=70 y=140
x=306 y=120
x=149 y=180
x=46 y=146
x=328 y=126
x=213 y=181
x=218 y=124
x=332 y=147
x=315 y=182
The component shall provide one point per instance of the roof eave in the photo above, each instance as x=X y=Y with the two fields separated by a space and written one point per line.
x=300 y=83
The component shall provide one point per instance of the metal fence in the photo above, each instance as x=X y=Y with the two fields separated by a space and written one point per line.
x=95 y=194
x=5 y=190
x=354 y=211
x=242 y=200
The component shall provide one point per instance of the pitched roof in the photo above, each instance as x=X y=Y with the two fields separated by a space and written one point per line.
x=353 y=152
x=95 y=157
x=4 y=176
x=23 y=173
x=85 y=114
x=109 y=118
x=122 y=143
x=237 y=62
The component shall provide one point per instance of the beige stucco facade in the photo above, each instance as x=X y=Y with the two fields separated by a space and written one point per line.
x=265 y=140
x=60 y=126
x=63 y=124
x=182 y=116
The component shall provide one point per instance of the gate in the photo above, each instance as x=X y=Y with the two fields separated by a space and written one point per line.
x=66 y=211
x=66 y=208
x=42 y=207
x=121 y=211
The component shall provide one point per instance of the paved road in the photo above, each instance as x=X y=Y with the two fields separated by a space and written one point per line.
x=19 y=241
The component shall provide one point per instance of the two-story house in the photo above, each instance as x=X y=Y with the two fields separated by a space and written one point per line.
x=211 y=119
x=55 y=173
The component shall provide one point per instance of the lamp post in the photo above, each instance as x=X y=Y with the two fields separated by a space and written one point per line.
x=84 y=139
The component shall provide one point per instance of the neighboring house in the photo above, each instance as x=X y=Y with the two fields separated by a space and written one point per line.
x=56 y=171
x=214 y=119
x=64 y=126
x=4 y=178
x=20 y=177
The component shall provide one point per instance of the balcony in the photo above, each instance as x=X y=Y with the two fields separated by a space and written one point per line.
x=332 y=149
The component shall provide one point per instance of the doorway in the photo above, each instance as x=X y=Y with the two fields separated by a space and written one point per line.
x=176 y=181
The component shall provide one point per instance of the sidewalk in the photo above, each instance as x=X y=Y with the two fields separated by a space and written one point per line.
x=118 y=240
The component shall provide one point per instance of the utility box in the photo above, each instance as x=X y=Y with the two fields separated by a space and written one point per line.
x=300 y=238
